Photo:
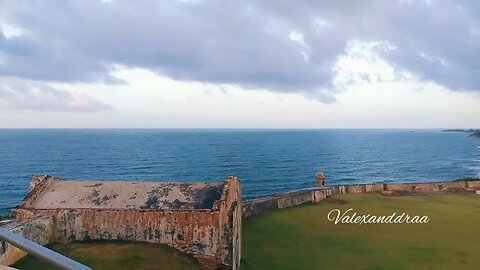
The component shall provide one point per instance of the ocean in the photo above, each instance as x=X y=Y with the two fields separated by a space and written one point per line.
x=266 y=161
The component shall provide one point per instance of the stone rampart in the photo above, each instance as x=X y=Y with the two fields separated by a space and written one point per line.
x=201 y=219
x=462 y=185
x=284 y=200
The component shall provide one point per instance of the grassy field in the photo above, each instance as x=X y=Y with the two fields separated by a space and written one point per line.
x=303 y=238
x=114 y=255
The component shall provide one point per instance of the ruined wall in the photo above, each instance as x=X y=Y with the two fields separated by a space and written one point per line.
x=284 y=200
x=38 y=230
x=193 y=232
x=213 y=236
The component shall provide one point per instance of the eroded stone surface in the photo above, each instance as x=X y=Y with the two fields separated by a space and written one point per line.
x=37 y=229
x=127 y=195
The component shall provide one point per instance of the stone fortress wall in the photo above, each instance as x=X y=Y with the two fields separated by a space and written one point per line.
x=284 y=200
x=391 y=188
x=201 y=219
x=317 y=194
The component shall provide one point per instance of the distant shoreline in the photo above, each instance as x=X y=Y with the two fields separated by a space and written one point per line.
x=474 y=133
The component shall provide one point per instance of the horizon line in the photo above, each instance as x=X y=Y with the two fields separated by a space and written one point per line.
x=219 y=128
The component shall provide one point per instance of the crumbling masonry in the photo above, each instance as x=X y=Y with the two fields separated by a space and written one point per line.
x=202 y=219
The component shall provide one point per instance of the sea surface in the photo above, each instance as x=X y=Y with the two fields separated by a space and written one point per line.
x=266 y=161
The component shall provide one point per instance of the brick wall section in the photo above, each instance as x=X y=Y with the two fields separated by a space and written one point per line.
x=284 y=200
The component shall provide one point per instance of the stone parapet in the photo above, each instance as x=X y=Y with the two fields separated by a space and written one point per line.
x=467 y=185
x=284 y=200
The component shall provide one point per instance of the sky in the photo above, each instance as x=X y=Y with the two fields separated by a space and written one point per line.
x=240 y=64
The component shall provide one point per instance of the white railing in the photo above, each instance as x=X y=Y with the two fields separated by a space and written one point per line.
x=41 y=252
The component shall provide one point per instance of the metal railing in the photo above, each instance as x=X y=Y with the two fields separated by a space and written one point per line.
x=41 y=252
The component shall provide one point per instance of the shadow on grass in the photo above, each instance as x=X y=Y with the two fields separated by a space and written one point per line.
x=103 y=255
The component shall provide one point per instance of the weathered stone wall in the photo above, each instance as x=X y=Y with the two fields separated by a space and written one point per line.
x=194 y=232
x=213 y=236
x=38 y=184
x=230 y=213
x=408 y=187
x=284 y=200
x=269 y=203
x=472 y=185
x=38 y=230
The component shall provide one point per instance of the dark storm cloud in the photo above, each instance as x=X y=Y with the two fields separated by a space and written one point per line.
x=245 y=43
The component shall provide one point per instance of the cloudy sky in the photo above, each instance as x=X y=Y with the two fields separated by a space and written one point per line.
x=240 y=64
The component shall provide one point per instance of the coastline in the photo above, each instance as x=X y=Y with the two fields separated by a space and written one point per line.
x=473 y=133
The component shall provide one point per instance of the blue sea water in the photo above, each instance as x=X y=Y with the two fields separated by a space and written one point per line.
x=266 y=161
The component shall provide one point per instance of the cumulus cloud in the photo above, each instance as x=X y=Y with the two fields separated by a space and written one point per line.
x=275 y=45
x=20 y=94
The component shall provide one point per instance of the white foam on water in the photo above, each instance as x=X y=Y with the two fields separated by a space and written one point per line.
x=467 y=159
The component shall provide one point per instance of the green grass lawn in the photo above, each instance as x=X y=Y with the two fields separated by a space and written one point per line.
x=303 y=238
x=115 y=255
